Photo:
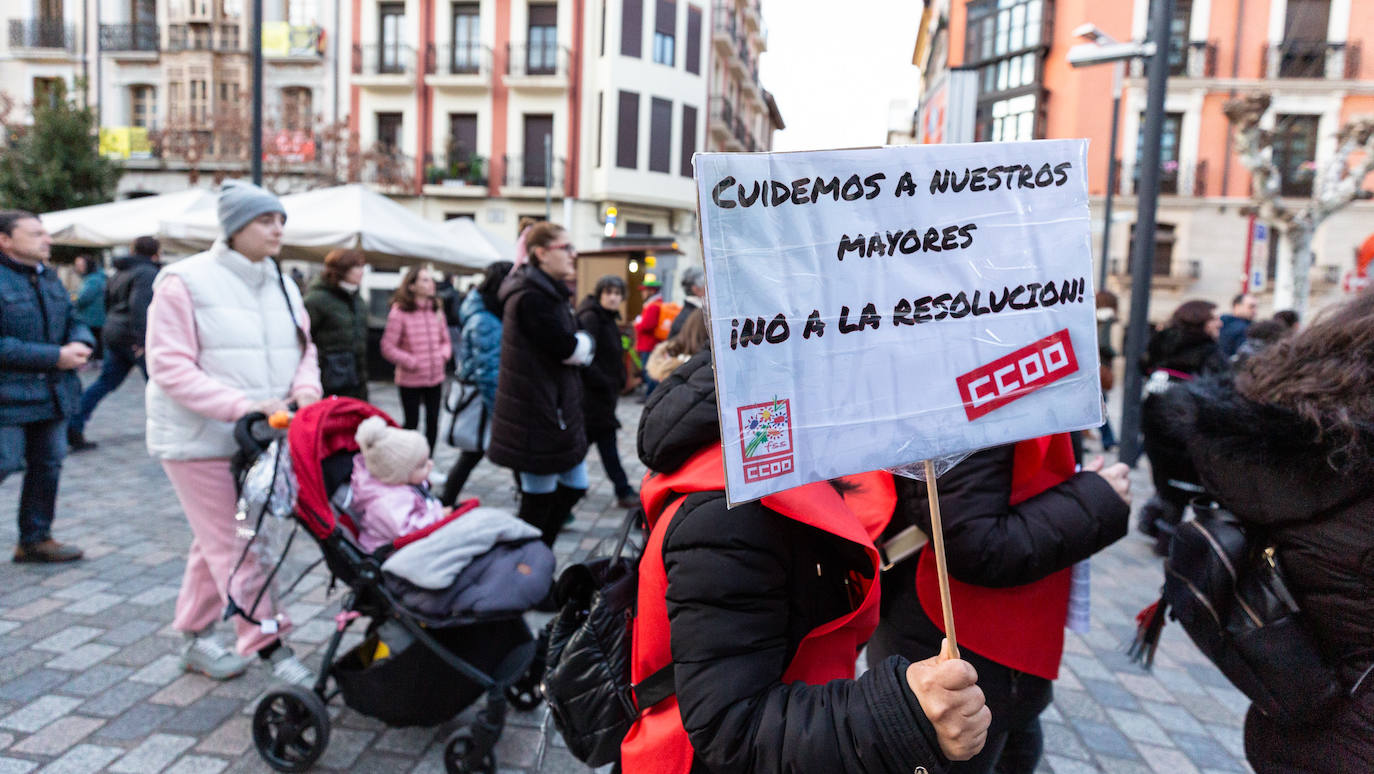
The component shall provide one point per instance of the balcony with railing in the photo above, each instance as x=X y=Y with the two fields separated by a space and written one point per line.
x=1311 y=59
x=461 y=64
x=181 y=37
x=518 y=172
x=143 y=37
x=722 y=118
x=725 y=30
x=31 y=34
x=537 y=64
x=456 y=174
x=384 y=64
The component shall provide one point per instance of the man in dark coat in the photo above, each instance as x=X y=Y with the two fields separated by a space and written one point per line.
x=694 y=290
x=1234 y=325
x=603 y=380
x=126 y=323
x=41 y=346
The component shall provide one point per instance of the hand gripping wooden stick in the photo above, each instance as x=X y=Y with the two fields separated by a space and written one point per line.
x=937 y=539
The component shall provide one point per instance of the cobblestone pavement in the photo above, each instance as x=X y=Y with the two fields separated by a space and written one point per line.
x=89 y=677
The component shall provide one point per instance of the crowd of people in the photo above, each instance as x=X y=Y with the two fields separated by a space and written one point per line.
x=758 y=610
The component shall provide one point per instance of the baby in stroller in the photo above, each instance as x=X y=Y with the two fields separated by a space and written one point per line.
x=387 y=482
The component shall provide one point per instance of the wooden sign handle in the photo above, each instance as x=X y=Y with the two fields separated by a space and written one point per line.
x=937 y=539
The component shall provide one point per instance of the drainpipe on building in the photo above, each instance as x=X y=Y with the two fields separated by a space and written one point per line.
x=257 y=93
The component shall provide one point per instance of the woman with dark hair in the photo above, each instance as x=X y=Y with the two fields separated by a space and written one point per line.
x=603 y=380
x=338 y=321
x=1183 y=350
x=537 y=428
x=416 y=339
x=668 y=355
x=479 y=360
x=1287 y=445
x=90 y=298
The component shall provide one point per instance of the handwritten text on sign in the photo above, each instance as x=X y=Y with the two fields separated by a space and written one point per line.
x=873 y=308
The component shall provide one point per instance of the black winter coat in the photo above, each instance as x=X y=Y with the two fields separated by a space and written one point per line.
x=603 y=380
x=338 y=326
x=1186 y=351
x=1275 y=472
x=126 y=301
x=743 y=591
x=536 y=425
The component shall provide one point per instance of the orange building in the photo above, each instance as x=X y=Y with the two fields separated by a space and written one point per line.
x=1305 y=53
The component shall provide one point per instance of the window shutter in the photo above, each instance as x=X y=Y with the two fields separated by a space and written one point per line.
x=632 y=28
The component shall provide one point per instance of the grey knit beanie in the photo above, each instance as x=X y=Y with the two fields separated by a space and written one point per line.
x=240 y=202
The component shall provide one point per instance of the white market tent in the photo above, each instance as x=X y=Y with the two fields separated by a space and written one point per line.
x=117 y=224
x=465 y=232
x=349 y=216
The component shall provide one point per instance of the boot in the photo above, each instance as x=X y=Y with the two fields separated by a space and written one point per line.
x=540 y=512
x=567 y=498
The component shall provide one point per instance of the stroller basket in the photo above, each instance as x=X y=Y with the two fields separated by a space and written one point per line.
x=414 y=686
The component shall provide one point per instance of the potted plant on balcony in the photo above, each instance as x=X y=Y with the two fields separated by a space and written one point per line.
x=434 y=175
x=476 y=170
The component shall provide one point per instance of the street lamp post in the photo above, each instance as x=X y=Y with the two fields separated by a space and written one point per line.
x=1117 y=76
x=257 y=93
x=1143 y=250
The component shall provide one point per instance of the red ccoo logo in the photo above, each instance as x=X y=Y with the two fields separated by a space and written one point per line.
x=990 y=387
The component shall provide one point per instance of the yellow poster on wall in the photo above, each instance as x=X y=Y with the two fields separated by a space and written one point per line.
x=114 y=141
x=276 y=38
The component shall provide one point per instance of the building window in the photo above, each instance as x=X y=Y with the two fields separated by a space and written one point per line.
x=1295 y=153
x=1303 y=52
x=462 y=137
x=543 y=50
x=632 y=28
x=1007 y=120
x=1168 y=152
x=302 y=13
x=297 y=108
x=467 y=38
x=46 y=91
x=627 y=131
x=694 y=40
x=689 y=139
x=390 y=54
x=1164 y=249
x=660 y=135
x=1005 y=43
x=142 y=106
x=175 y=97
x=538 y=132
x=665 y=30
x=389 y=132
x=200 y=102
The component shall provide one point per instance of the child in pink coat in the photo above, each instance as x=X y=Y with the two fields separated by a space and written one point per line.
x=387 y=479
x=416 y=340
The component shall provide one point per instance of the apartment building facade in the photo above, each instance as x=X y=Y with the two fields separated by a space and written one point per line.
x=44 y=43
x=743 y=113
x=583 y=111
x=1306 y=53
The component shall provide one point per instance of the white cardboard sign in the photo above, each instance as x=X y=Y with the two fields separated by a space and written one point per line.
x=875 y=308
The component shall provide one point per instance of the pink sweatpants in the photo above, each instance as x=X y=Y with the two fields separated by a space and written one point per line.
x=206 y=491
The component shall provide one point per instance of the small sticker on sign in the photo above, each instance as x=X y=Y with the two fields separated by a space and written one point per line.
x=269 y=626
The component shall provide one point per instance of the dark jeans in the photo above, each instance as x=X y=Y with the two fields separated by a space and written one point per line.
x=114 y=369
x=38 y=449
x=458 y=476
x=649 y=384
x=610 y=460
x=411 y=398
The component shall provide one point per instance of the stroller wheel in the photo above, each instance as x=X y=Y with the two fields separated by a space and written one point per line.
x=524 y=695
x=291 y=728
x=461 y=755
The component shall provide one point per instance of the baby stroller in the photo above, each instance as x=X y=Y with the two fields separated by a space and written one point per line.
x=412 y=668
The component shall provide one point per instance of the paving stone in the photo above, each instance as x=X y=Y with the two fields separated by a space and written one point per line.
x=144 y=652
x=117 y=699
x=1111 y=694
x=96 y=679
x=6 y=740
x=68 y=639
x=1063 y=740
x=232 y=738
x=136 y=723
x=82 y=759
x=198 y=764
x=81 y=590
x=1166 y=760
x=1104 y=738
x=58 y=736
x=36 y=609
x=1138 y=726
x=161 y=672
x=344 y=747
x=1110 y=765
x=84 y=657
x=16 y=766
x=183 y=691
x=157 y=595
x=409 y=741
x=1205 y=751
x=203 y=716
x=153 y=754
x=38 y=713
x=32 y=684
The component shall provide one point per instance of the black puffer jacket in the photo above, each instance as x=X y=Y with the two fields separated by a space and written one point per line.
x=126 y=300
x=1273 y=471
x=1183 y=350
x=536 y=425
x=603 y=380
x=743 y=591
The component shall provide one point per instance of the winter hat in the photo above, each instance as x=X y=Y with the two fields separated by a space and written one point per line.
x=391 y=454
x=240 y=202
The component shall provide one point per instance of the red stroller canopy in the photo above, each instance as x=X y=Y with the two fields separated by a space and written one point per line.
x=317 y=431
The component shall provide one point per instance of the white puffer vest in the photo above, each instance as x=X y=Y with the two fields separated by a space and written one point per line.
x=247 y=340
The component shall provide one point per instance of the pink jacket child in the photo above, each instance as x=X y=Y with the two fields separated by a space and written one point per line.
x=418 y=343
x=386 y=478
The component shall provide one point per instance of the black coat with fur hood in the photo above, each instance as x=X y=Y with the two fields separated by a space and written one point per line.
x=1315 y=500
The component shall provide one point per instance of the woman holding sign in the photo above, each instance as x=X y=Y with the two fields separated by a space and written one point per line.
x=749 y=621
x=1016 y=519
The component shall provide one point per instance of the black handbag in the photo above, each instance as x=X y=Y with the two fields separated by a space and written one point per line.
x=1228 y=590
x=587 y=680
x=338 y=371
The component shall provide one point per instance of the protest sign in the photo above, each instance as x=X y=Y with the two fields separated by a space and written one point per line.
x=875 y=308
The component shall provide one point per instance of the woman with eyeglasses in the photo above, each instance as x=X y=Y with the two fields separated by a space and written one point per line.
x=536 y=426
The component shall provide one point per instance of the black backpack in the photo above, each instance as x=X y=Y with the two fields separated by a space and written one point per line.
x=1227 y=589
x=587 y=678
